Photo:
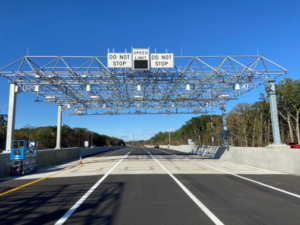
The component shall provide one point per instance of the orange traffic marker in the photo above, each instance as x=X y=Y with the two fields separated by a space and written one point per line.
x=80 y=161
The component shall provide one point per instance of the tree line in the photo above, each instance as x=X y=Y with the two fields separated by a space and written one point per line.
x=250 y=124
x=46 y=136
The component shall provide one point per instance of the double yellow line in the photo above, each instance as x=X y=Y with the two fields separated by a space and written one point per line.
x=54 y=174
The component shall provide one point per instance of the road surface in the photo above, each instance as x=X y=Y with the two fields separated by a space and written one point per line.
x=146 y=186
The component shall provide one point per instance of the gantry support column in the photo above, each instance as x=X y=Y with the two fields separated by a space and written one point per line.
x=11 y=116
x=224 y=120
x=59 y=122
x=212 y=125
x=274 y=114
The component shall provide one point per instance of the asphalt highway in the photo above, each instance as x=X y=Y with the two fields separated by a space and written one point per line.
x=146 y=186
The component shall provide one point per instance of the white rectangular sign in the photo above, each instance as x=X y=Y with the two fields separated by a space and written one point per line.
x=162 y=60
x=140 y=58
x=86 y=144
x=119 y=60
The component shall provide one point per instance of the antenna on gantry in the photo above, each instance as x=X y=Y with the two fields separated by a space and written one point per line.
x=257 y=51
x=27 y=51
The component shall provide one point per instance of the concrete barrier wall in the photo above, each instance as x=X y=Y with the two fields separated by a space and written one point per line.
x=4 y=164
x=281 y=159
x=49 y=157
x=56 y=156
x=181 y=148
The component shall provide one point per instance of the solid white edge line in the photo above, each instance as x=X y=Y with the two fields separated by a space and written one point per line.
x=262 y=184
x=190 y=194
x=87 y=194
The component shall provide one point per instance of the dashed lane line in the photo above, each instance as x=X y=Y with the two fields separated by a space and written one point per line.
x=63 y=219
x=190 y=194
x=51 y=175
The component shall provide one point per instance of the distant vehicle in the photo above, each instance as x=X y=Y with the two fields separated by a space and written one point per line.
x=293 y=145
x=156 y=146
x=23 y=156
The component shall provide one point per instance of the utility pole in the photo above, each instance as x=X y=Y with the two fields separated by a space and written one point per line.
x=92 y=139
x=132 y=139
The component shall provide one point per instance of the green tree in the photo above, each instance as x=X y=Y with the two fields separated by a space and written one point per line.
x=3 y=126
x=288 y=96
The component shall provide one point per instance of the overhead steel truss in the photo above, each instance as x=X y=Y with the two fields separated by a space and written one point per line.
x=83 y=85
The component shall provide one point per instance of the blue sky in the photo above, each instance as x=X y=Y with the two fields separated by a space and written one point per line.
x=210 y=27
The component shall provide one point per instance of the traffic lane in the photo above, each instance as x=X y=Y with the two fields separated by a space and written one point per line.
x=286 y=182
x=237 y=201
x=138 y=151
x=6 y=185
x=168 y=151
x=14 y=182
x=120 y=151
x=44 y=202
x=46 y=197
x=155 y=151
x=139 y=199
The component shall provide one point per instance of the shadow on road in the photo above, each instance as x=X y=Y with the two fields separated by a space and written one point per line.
x=47 y=203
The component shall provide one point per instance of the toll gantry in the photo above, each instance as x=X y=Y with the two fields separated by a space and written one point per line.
x=140 y=82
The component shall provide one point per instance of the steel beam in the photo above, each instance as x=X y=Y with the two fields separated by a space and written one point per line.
x=66 y=80
x=59 y=122
x=11 y=116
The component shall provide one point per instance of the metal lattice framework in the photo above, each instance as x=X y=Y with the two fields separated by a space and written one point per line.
x=85 y=86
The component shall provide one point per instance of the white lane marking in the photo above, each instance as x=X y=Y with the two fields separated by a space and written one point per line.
x=87 y=194
x=193 y=197
x=256 y=182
